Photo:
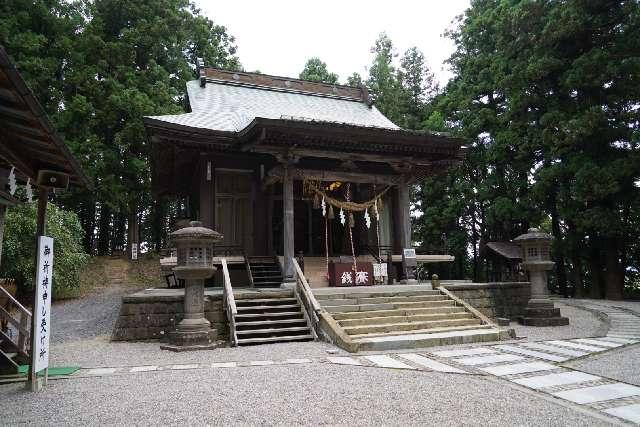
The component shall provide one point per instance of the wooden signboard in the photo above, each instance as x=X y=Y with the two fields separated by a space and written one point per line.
x=341 y=274
x=42 y=310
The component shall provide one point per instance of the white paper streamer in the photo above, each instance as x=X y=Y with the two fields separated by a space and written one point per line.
x=367 y=218
x=324 y=207
x=13 y=186
x=29 y=190
x=343 y=219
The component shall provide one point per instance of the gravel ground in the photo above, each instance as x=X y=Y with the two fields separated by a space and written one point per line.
x=278 y=395
x=621 y=365
x=101 y=352
x=88 y=317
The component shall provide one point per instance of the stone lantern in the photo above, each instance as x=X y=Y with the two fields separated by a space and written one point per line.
x=194 y=248
x=536 y=258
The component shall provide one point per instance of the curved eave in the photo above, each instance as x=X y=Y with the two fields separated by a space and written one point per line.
x=322 y=134
x=28 y=139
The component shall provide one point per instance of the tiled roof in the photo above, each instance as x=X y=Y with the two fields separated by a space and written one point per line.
x=230 y=106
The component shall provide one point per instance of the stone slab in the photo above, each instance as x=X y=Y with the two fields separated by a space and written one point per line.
x=297 y=361
x=143 y=368
x=589 y=348
x=224 y=364
x=434 y=365
x=101 y=371
x=597 y=342
x=551 y=380
x=464 y=352
x=184 y=367
x=532 y=353
x=261 y=363
x=485 y=360
x=610 y=338
x=554 y=349
x=518 y=368
x=599 y=393
x=344 y=360
x=384 y=361
x=628 y=412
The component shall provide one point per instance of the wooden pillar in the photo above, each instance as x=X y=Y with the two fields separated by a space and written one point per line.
x=3 y=214
x=41 y=229
x=288 y=229
x=269 y=201
x=403 y=217
x=207 y=194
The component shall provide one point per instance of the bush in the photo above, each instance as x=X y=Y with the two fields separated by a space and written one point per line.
x=19 y=248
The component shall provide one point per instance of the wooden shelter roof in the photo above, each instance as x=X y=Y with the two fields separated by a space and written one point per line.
x=507 y=250
x=27 y=139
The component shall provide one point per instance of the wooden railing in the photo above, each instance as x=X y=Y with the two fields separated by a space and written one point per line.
x=247 y=265
x=229 y=303
x=307 y=299
x=20 y=321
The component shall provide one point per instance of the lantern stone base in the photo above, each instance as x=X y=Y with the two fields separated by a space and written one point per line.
x=541 y=312
x=191 y=340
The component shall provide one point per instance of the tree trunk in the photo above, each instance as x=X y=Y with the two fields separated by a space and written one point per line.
x=561 y=273
x=595 y=270
x=104 y=230
x=613 y=276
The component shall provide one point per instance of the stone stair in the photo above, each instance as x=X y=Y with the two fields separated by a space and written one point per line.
x=115 y=271
x=270 y=317
x=265 y=271
x=384 y=319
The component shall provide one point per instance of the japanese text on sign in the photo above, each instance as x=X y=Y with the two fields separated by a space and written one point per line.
x=42 y=306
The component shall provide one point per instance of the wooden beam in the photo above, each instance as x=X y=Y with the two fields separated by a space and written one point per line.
x=363 y=157
x=23 y=130
x=18 y=113
x=8 y=152
x=327 y=175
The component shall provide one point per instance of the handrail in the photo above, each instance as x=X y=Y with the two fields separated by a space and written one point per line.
x=467 y=306
x=312 y=308
x=229 y=303
x=22 y=325
x=249 y=272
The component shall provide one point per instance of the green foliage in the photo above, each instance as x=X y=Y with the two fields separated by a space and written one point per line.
x=316 y=71
x=546 y=94
x=19 y=247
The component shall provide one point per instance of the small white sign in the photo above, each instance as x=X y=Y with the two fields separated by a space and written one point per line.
x=380 y=270
x=42 y=309
x=134 y=251
x=409 y=253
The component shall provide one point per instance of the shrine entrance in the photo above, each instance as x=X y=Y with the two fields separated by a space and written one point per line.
x=234 y=213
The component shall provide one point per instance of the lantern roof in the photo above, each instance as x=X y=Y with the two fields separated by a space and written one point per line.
x=195 y=231
x=533 y=234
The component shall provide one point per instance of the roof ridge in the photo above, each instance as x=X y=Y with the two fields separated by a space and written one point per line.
x=288 y=84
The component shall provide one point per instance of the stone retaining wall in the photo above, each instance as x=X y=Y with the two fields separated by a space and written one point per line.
x=151 y=317
x=502 y=299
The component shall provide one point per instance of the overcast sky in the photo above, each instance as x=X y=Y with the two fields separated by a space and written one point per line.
x=278 y=36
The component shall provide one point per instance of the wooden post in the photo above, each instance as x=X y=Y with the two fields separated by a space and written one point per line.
x=3 y=213
x=207 y=196
x=404 y=216
x=288 y=229
x=43 y=194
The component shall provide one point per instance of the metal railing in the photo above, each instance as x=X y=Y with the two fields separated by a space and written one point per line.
x=229 y=303
x=21 y=323
x=307 y=299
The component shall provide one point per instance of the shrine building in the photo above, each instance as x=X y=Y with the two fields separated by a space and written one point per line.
x=284 y=167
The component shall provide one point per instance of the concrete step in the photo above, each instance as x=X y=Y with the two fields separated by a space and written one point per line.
x=420 y=331
x=273 y=331
x=371 y=330
x=371 y=293
x=266 y=301
x=266 y=340
x=269 y=308
x=389 y=306
x=270 y=294
x=431 y=339
x=251 y=323
x=398 y=312
x=271 y=315
x=404 y=319
x=382 y=300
